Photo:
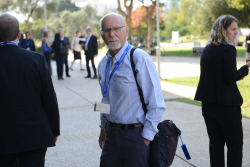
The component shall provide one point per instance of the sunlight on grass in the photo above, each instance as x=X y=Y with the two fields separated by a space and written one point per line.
x=243 y=85
x=188 y=51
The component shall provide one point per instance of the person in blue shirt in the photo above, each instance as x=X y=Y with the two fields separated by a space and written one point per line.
x=126 y=131
x=28 y=43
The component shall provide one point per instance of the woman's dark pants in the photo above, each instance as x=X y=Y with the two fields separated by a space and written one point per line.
x=59 y=64
x=224 y=126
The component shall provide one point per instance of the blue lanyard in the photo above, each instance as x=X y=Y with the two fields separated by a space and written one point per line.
x=27 y=42
x=105 y=88
x=8 y=43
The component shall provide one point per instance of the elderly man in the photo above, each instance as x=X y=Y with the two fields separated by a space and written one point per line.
x=66 y=40
x=126 y=131
x=29 y=115
x=91 y=51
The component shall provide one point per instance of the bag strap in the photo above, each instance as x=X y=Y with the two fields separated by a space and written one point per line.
x=144 y=106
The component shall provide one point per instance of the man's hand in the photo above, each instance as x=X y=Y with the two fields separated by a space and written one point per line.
x=101 y=138
x=248 y=64
x=248 y=60
x=96 y=55
x=146 y=142
x=55 y=139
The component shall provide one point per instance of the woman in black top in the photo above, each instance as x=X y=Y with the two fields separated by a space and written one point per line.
x=59 y=58
x=220 y=96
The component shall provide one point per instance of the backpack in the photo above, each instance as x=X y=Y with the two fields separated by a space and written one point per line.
x=62 y=49
x=163 y=147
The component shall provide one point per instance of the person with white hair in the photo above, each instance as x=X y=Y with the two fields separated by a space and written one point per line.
x=127 y=130
x=91 y=51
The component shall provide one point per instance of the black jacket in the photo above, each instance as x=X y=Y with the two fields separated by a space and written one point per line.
x=92 y=47
x=219 y=75
x=66 y=41
x=55 y=47
x=29 y=115
x=31 y=45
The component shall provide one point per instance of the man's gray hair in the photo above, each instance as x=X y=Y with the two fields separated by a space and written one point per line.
x=43 y=28
x=123 y=21
x=89 y=29
x=61 y=29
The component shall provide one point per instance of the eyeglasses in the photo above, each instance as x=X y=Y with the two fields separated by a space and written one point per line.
x=107 y=31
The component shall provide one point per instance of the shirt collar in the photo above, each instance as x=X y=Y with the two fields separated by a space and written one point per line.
x=90 y=35
x=119 y=54
x=62 y=38
x=8 y=41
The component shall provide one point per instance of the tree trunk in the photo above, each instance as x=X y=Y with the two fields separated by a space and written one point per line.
x=151 y=21
x=151 y=28
x=128 y=22
x=127 y=15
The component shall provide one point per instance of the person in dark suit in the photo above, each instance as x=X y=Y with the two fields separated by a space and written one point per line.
x=60 y=59
x=220 y=96
x=91 y=51
x=20 y=41
x=66 y=41
x=29 y=115
x=28 y=43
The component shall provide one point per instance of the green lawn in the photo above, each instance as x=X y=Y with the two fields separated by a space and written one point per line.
x=185 y=100
x=244 y=87
x=187 y=51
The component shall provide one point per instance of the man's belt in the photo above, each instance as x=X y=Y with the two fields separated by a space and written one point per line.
x=124 y=126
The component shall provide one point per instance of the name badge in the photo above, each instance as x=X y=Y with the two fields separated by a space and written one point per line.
x=28 y=48
x=102 y=107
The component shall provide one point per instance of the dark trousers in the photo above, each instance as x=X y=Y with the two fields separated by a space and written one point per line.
x=66 y=65
x=59 y=64
x=124 y=148
x=34 y=158
x=87 y=63
x=47 y=56
x=224 y=126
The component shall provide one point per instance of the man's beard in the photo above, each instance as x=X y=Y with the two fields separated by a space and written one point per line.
x=114 y=45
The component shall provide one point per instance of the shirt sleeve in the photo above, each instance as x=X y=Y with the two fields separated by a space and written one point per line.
x=148 y=80
x=103 y=122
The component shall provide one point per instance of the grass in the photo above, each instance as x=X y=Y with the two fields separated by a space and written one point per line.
x=188 y=51
x=185 y=100
x=243 y=85
x=188 y=81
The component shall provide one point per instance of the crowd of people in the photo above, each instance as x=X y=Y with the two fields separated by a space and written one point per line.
x=29 y=120
x=61 y=43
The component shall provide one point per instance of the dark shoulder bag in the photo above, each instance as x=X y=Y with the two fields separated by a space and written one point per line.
x=164 y=145
x=63 y=51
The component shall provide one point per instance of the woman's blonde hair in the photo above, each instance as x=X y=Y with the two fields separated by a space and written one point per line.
x=218 y=31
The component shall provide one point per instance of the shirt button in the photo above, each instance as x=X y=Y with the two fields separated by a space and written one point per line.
x=113 y=118
x=111 y=92
x=112 y=105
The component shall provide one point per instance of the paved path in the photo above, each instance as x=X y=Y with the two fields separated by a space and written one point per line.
x=78 y=147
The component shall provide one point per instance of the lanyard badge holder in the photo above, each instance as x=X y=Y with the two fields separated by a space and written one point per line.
x=102 y=107
x=8 y=43
x=184 y=149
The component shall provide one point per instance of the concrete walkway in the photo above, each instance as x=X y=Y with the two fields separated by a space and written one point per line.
x=78 y=144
